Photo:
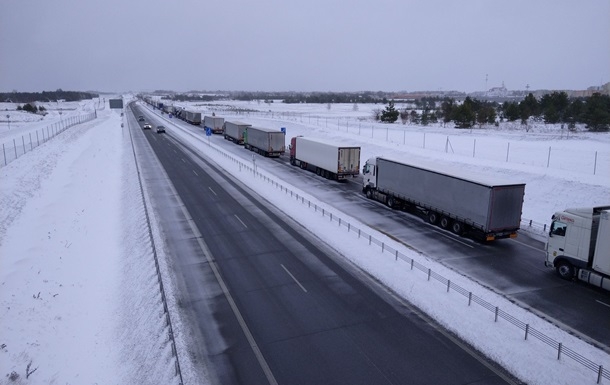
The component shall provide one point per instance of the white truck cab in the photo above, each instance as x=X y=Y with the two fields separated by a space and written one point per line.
x=578 y=245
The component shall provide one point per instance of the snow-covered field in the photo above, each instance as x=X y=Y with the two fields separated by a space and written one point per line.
x=79 y=296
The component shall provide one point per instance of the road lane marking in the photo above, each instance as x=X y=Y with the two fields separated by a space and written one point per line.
x=194 y=172
x=225 y=289
x=292 y=276
x=213 y=192
x=603 y=303
x=183 y=161
x=453 y=239
x=531 y=247
x=240 y=221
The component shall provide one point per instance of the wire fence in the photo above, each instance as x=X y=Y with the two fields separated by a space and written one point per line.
x=16 y=148
x=527 y=330
x=591 y=162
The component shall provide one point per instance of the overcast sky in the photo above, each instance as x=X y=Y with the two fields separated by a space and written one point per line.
x=303 y=45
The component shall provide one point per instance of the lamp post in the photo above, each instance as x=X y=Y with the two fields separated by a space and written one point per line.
x=61 y=119
x=9 y=121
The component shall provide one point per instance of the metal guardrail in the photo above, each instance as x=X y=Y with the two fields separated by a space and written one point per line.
x=14 y=150
x=528 y=330
x=168 y=320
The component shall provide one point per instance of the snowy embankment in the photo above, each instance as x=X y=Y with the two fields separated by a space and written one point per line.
x=79 y=293
x=79 y=296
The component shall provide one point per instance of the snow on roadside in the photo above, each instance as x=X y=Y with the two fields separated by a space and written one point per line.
x=79 y=298
x=531 y=360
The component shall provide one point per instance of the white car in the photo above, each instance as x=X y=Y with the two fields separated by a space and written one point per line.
x=147 y=126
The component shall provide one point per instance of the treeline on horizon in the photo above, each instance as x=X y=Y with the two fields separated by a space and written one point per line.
x=46 y=96
x=556 y=107
x=552 y=108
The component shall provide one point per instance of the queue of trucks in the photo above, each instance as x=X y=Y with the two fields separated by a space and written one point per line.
x=578 y=243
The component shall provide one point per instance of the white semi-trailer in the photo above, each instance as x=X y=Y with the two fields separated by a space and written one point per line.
x=330 y=160
x=214 y=123
x=484 y=208
x=579 y=245
x=234 y=131
x=265 y=141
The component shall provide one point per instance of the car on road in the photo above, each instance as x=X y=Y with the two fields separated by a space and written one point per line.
x=147 y=126
x=160 y=129
x=141 y=118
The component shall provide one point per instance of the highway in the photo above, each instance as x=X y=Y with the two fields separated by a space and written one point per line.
x=268 y=303
x=513 y=268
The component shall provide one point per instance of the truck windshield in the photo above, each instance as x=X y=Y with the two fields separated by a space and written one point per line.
x=558 y=228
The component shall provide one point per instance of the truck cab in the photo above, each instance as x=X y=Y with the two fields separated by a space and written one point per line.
x=369 y=174
x=577 y=244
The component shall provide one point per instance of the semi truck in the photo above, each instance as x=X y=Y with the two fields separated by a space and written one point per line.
x=466 y=204
x=214 y=123
x=327 y=159
x=234 y=131
x=192 y=117
x=578 y=245
x=265 y=141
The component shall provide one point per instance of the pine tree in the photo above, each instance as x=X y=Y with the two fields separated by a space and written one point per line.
x=390 y=114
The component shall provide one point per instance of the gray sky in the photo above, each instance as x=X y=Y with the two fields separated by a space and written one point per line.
x=303 y=45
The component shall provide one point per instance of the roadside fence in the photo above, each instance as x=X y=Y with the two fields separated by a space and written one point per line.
x=16 y=148
x=562 y=351
x=557 y=156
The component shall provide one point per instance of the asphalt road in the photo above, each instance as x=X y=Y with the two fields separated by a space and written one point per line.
x=513 y=268
x=269 y=304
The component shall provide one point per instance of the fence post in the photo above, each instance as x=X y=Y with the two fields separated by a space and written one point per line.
x=469 y=298
x=559 y=350
x=23 y=142
x=548 y=159
x=448 y=285
x=527 y=330
x=599 y=374
x=429 y=271
x=412 y=261
x=37 y=139
x=396 y=255
x=382 y=247
x=507 y=151
x=496 y=316
x=15 y=146
x=30 y=141
x=595 y=164
x=474 y=146
x=4 y=152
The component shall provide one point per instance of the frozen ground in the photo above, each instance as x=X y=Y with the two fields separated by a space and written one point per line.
x=79 y=298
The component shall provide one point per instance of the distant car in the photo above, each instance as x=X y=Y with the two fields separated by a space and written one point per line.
x=147 y=126
x=160 y=129
x=141 y=118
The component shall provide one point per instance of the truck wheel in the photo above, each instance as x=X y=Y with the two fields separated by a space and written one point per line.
x=369 y=193
x=317 y=171
x=432 y=217
x=457 y=227
x=565 y=270
x=445 y=222
x=390 y=202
